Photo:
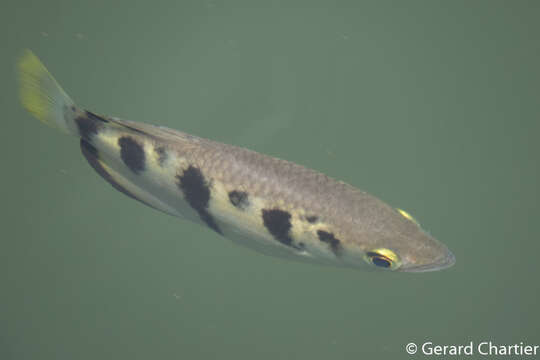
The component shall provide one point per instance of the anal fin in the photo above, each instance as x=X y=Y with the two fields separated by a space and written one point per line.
x=121 y=184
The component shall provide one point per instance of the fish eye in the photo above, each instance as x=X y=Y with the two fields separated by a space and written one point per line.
x=383 y=258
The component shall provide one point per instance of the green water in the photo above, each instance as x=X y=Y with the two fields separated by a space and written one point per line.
x=432 y=106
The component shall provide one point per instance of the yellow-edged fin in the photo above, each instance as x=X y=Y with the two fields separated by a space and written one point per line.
x=40 y=94
x=408 y=216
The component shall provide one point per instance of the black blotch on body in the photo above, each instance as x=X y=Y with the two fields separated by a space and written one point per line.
x=89 y=124
x=239 y=199
x=278 y=223
x=132 y=154
x=330 y=239
x=162 y=154
x=197 y=193
x=91 y=155
x=312 y=219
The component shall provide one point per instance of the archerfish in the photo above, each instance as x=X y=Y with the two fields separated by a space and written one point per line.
x=271 y=205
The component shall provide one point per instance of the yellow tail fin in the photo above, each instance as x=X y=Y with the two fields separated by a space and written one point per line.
x=41 y=95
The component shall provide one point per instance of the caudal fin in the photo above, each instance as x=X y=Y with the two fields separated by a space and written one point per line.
x=42 y=96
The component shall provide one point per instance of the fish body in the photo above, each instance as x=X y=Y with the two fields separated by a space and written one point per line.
x=270 y=205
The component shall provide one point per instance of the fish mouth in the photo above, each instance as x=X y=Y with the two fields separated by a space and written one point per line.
x=442 y=263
